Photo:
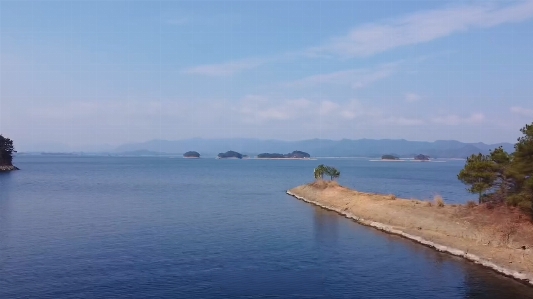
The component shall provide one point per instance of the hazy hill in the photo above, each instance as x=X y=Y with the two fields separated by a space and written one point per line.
x=320 y=147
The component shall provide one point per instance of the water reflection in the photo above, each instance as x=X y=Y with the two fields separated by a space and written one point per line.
x=5 y=194
x=483 y=283
x=326 y=226
x=113 y=228
x=442 y=271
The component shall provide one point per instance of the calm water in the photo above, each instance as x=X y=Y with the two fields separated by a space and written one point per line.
x=107 y=227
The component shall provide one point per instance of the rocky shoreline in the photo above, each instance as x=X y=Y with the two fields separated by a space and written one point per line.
x=5 y=168
x=371 y=210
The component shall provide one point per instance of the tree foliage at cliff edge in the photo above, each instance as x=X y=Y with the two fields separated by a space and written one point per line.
x=502 y=177
x=6 y=151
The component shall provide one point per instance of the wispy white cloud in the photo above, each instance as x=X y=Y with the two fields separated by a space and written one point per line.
x=259 y=109
x=252 y=109
x=421 y=27
x=372 y=38
x=328 y=108
x=404 y=121
x=355 y=78
x=453 y=120
x=225 y=69
x=412 y=97
x=254 y=114
x=355 y=109
x=522 y=111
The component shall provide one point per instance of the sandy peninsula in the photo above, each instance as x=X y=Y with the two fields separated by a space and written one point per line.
x=496 y=237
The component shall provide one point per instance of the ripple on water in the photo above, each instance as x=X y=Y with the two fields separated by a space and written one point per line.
x=107 y=227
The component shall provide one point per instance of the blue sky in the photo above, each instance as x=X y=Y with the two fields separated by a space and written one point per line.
x=88 y=73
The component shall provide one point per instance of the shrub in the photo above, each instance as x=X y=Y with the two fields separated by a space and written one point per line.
x=323 y=184
x=439 y=201
x=320 y=184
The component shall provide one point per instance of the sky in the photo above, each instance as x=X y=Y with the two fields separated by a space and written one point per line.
x=92 y=75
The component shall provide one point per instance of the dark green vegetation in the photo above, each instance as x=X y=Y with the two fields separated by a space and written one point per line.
x=294 y=154
x=389 y=157
x=500 y=177
x=191 y=154
x=6 y=151
x=422 y=157
x=322 y=170
x=230 y=154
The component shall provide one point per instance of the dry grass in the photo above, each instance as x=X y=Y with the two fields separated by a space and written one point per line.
x=471 y=204
x=439 y=201
x=501 y=225
x=391 y=197
x=323 y=184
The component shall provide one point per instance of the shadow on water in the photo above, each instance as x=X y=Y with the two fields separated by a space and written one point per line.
x=483 y=283
x=5 y=194
x=430 y=270
x=326 y=226
x=477 y=281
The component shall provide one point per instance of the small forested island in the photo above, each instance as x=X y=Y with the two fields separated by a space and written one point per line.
x=389 y=157
x=230 y=155
x=191 y=155
x=421 y=158
x=6 y=154
x=293 y=155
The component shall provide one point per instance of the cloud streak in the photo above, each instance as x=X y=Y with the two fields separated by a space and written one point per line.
x=421 y=27
x=355 y=78
x=258 y=109
x=261 y=110
x=404 y=121
x=225 y=69
x=522 y=111
x=373 y=38
x=454 y=120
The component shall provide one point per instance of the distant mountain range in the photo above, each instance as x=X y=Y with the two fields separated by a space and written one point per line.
x=316 y=147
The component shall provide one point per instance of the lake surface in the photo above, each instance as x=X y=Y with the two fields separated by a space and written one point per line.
x=150 y=227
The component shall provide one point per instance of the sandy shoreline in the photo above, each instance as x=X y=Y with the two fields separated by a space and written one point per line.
x=466 y=232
